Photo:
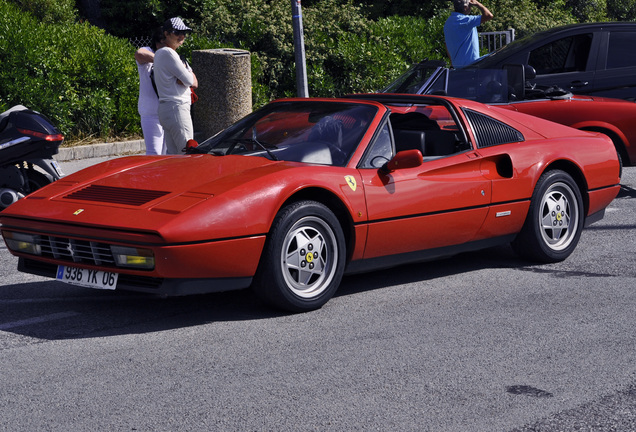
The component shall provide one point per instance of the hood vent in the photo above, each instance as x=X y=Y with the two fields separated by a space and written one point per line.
x=116 y=195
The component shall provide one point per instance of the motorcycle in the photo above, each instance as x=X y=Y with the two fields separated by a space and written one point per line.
x=28 y=141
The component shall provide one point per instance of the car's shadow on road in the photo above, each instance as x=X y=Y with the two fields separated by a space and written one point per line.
x=51 y=310
x=495 y=257
x=626 y=192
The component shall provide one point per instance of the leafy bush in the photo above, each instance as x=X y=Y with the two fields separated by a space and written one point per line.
x=134 y=18
x=621 y=10
x=383 y=8
x=49 y=11
x=408 y=40
x=526 y=16
x=345 y=53
x=588 y=10
x=83 y=79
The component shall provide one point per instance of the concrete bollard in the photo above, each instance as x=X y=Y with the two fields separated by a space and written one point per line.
x=225 y=89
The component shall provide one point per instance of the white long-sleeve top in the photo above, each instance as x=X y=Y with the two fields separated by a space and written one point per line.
x=148 y=103
x=168 y=70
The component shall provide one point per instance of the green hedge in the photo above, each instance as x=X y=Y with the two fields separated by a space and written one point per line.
x=528 y=16
x=81 y=78
x=346 y=52
x=49 y=11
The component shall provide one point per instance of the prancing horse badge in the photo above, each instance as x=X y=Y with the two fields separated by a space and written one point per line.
x=351 y=182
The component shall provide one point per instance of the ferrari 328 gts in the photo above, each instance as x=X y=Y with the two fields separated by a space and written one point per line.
x=301 y=191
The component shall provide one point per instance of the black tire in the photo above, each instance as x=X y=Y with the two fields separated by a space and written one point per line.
x=303 y=259
x=620 y=164
x=555 y=219
x=36 y=180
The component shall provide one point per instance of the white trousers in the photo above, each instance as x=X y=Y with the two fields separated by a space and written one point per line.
x=177 y=125
x=153 y=135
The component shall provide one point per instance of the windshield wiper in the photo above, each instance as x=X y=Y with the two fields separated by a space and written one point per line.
x=269 y=152
x=251 y=140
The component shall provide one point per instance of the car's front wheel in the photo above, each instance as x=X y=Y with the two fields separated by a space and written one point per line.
x=303 y=260
x=555 y=219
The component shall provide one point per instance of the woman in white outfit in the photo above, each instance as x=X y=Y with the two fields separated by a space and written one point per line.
x=173 y=79
x=148 y=104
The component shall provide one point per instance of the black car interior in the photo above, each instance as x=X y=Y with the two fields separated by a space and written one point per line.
x=415 y=130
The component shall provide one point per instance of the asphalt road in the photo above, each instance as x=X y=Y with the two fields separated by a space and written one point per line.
x=478 y=342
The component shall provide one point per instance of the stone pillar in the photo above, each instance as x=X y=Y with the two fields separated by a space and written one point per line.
x=225 y=89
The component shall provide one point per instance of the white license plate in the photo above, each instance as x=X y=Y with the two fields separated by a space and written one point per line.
x=56 y=167
x=87 y=278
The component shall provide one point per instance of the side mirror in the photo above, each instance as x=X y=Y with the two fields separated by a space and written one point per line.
x=191 y=146
x=404 y=159
x=516 y=81
x=530 y=72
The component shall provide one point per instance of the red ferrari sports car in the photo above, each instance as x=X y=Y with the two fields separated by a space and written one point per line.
x=301 y=191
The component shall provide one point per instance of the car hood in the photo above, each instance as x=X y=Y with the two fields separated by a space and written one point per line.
x=142 y=176
x=167 y=171
x=151 y=193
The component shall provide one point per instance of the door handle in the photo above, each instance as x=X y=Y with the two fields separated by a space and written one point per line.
x=578 y=84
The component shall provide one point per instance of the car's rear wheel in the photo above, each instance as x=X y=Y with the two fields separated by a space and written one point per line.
x=303 y=259
x=555 y=219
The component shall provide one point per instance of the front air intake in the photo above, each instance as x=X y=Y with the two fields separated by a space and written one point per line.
x=116 y=195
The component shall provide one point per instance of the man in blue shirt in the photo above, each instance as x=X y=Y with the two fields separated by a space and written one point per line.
x=460 y=32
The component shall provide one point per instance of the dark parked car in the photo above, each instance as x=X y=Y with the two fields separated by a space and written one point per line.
x=593 y=59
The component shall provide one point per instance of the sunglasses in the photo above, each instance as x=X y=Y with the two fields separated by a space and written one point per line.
x=180 y=32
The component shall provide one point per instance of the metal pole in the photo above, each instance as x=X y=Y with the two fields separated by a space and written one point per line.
x=299 y=50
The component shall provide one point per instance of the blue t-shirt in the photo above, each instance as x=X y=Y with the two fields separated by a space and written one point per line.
x=462 y=41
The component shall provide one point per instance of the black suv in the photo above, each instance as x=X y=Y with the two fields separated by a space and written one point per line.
x=594 y=58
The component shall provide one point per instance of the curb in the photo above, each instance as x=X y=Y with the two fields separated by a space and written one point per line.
x=100 y=150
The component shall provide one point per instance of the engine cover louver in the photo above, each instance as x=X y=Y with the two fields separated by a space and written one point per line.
x=116 y=195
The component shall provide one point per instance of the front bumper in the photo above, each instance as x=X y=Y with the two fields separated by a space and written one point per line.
x=150 y=285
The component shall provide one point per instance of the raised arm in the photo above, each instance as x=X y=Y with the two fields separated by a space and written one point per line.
x=486 y=15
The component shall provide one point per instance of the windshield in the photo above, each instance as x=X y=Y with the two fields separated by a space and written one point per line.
x=510 y=83
x=482 y=85
x=300 y=131
x=415 y=78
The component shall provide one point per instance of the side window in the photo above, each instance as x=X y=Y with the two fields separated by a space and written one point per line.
x=381 y=151
x=564 y=55
x=620 y=52
x=430 y=129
